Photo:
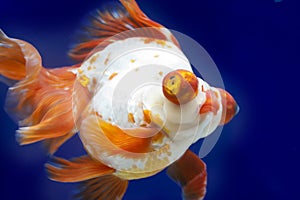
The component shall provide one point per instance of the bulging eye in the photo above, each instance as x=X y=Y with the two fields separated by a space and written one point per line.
x=180 y=86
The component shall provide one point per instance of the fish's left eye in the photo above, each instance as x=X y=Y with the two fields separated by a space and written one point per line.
x=180 y=86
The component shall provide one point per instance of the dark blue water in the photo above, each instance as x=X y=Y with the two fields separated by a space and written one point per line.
x=254 y=43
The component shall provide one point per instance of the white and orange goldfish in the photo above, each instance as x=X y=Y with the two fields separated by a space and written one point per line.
x=132 y=97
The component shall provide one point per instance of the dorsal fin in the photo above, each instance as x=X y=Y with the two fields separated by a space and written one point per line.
x=121 y=22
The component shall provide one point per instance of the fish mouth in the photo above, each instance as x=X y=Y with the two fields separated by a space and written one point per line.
x=237 y=109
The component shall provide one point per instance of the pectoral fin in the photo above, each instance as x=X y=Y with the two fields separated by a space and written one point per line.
x=190 y=172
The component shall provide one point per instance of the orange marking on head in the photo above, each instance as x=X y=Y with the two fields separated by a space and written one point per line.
x=160 y=73
x=112 y=75
x=230 y=107
x=211 y=104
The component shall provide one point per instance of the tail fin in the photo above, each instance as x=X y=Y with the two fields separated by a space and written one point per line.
x=20 y=63
x=41 y=99
x=17 y=57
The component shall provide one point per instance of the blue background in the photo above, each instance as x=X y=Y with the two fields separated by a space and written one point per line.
x=255 y=45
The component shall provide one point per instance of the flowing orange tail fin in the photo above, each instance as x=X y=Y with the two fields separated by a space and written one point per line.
x=15 y=56
x=41 y=99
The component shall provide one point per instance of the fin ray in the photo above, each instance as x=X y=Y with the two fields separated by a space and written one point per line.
x=76 y=170
x=111 y=25
x=41 y=98
x=108 y=187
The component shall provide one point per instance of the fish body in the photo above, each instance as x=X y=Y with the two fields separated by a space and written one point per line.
x=130 y=85
x=133 y=98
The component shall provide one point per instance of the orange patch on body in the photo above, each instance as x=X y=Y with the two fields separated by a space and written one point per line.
x=80 y=71
x=107 y=59
x=202 y=88
x=112 y=75
x=173 y=39
x=93 y=83
x=158 y=138
x=147 y=116
x=148 y=40
x=84 y=80
x=125 y=141
x=131 y=118
x=132 y=60
x=160 y=73
x=99 y=115
x=93 y=59
x=161 y=42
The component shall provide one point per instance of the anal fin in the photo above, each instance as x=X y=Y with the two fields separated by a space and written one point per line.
x=97 y=181
x=108 y=187
x=190 y=172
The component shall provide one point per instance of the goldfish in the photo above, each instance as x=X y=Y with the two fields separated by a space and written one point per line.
x=132 y=97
